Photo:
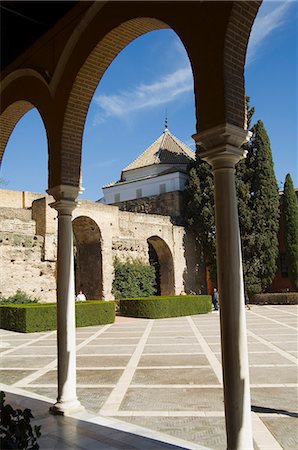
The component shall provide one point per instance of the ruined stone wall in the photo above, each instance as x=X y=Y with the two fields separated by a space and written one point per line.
x=166 y=204
x=22 y=262
x=29 y=246
x=17 y=199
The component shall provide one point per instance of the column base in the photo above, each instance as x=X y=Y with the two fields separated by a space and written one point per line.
x=64 y=408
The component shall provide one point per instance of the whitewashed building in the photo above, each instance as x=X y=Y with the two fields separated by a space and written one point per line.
x=161 y=168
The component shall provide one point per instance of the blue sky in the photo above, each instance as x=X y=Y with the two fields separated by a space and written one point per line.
x=153 y=75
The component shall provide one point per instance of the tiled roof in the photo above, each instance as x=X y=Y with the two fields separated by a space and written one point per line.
x=167 y=149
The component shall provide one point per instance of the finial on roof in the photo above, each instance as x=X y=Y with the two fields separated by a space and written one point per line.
x=166 y=121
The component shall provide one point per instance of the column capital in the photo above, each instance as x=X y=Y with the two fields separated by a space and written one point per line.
x=221 y=145
x=65 y=197
x=64 y=192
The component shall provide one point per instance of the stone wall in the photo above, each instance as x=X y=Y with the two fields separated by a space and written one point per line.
x=17 y=199
x=166 y=204
x=22 y=262
x=29 y=247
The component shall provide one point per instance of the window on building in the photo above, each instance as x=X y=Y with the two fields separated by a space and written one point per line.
x=162 y=188
x=116 y=198
x=139 y=193
x=283 y=266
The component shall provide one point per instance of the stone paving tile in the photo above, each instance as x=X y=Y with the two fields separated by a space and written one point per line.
x=284 y=429
x=173 y=399
x=84 y=377
x=102 y=361
x=155 y=332
x=12 y=376
x=175 y=376
x=267 y=358
x=205 y=431
x=172 y=349
x=3 y=349
x=287 y=346
x=50 y=392
x=173 y=360
x=44 y=343
x=93 y=398
x=47 y=351
x=100 y=350
x=274 y=398
x=172 y=340
x=272 y=375
x=284 y=338
x=31 y=362
x=102 y=340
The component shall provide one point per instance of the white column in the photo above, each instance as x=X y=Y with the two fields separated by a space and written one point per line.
x=66 y=327
x=221 y=150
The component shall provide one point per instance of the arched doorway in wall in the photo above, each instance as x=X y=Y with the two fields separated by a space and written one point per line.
x=160 y=256
x=88 y=257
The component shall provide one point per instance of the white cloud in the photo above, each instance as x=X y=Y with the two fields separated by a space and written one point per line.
x=271 y=17
x=160 y=92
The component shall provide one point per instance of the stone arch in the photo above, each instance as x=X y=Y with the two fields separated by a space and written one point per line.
x=165 y=265
x=84 y=87
x=88 y=258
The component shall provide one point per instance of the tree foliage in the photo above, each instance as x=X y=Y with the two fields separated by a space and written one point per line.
x=258 y=206
x=260 y=223
x=290 y=209
x=133 y=279
x=16 y=431
x=199 y=209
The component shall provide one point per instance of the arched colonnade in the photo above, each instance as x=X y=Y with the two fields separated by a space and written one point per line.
x=58 y=76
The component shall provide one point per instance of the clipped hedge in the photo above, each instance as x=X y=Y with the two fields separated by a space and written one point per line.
x=42 y=316
x=165 y=306
x=282 y=298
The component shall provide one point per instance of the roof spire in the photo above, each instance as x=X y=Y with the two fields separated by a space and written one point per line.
x=166 y=121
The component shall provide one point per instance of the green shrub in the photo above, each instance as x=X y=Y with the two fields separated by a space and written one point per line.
x=19 y=298
x=133 y=279
x=166 y=306
x=16 y=431
x=283 y=298
x=42 y=317
x=94 y=313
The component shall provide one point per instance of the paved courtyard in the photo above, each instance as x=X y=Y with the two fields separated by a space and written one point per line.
x=165 y=375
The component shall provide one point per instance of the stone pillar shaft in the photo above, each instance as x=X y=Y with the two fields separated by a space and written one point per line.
x=66 y=311
x=232 y=313
x=66 y=328
x=221 y=150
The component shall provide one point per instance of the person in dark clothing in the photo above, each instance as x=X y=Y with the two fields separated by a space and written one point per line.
x=246 y=299
x=215 y=299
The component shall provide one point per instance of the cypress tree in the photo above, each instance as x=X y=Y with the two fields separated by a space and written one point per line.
x=258 y=205
x=199 y=209
x=290 y=210
x=259 y=235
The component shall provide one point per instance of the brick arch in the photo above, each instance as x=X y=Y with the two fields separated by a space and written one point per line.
x=235 y=46
x=85 y=84
x=166 y=265
x=9 y=119
x=20 y=92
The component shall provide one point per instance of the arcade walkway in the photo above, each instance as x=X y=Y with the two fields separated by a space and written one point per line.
x=158 y=379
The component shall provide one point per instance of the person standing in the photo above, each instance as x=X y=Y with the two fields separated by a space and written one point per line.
x=215 y=299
